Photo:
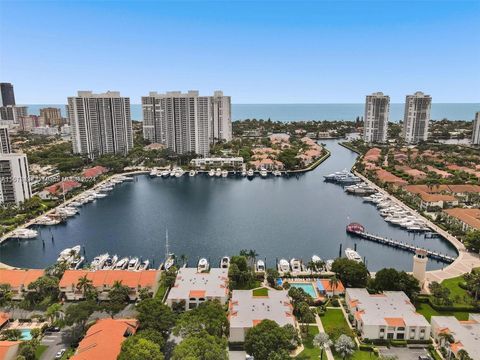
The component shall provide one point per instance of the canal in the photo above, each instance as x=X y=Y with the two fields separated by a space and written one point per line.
x=212 y=217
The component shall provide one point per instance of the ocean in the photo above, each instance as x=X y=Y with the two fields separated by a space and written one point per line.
x=296 y=112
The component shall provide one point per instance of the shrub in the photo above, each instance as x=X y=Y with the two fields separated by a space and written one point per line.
x=364 y=347
x=398 y=343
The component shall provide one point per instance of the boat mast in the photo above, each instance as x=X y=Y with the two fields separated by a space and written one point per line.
x=167 y=252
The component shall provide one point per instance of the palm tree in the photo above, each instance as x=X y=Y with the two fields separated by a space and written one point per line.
x=85 y=285
x=445 y=338
x=5 y=293
x=322 y=341
x=53 y=312
x=462 y=354
x=183 y=259
x=344 y=346
x=333 y=283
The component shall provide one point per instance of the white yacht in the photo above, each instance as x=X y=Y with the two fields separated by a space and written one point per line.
x=121 y=264
x=277 y=173
x=154 y=173
x=179 y=172
x=260 y=266
x=165 y=173
x=316 y=259
x=98 y=261
x=133 y=264
x=75 y=204
x=144 y=265
x=283 y=265
x=172 y=173
x=126 y=178
x=192 y=173
x=211 y=173
x=45 y=220
x=169 y=262
x=110 y=262
x=263 y=173
x=24 y=234
x=203 y=265
x=328 y=264
x=218 y=172
x=99 y=195
x=244 y=173
x=225 y=262
x=352 y=255
x=296 y=265
x=250 y=173
x=224 y=173
x=76 y=263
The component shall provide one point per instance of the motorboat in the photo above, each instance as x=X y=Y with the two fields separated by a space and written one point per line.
x=172 y=173
x=110 y=262
x=263 y=173
x=250 y=173
x=77 y=262
x=24 y=234
x=192 y=173
x=203 y=265
x=121 y=264
x=277 y=173
x=99 y=195
x=352 y=255
x=316 y=259
x=296 y=265
x=225 y=262
x=211 y=173
x=165 y=173
x=75 y=204
x=133 y=264
x=45 y=220
x=328 y=264
x=260 y=266
x=154 y=173
x=98 y=261
x=127 y=178
x=144 y=265
x=105 y=189
x=170 y=261
x=283 y=265
x=179 y=172
x=335 y=175
x=244 y=173
x=224 y=173
x=218 y=172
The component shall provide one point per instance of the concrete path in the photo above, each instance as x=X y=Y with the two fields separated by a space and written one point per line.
x=328 y=351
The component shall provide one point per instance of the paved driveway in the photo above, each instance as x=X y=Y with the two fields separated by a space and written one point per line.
x=403 y=353
x=54 y=342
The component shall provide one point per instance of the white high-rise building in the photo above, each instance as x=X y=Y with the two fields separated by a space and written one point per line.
x=14 y=178
x=377 y=108
x=187 y=122
x=5 y=146
x=476 y=129
x=101 y=123
x=417 y=117
x=13 y=113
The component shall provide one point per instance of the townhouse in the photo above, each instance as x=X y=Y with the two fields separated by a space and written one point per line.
x=18 y=280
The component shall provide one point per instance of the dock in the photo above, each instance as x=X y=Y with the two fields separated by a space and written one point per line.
x=360 y=232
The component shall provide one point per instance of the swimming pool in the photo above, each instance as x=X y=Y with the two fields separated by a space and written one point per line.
x=26 y=334
x=307 y=287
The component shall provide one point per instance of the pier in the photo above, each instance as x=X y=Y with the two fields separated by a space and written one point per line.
x=358 y=230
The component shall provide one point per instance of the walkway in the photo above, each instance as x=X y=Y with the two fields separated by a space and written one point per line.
x=465 y=261
x=328 y=351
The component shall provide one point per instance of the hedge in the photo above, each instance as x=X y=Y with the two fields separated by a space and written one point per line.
x=440 y=308
x=368 y=348
x=398 y=343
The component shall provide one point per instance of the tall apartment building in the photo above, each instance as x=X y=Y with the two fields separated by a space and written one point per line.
x=377 y=108
x=7 y=96
x=416 y=117
x=101 y=123
x=5 y=146
x=187 y=122
x=51 y=116
x=476 y=129
x=14 y=178
x=13 y=113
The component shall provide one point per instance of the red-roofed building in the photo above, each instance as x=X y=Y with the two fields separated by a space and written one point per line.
x=4 y=317
x=58 y=189
x=104 y=339
x=387 y=177
x=103 y=281
x=436 y=200
x=19 y=279
x=9 y=350
x=94 y=172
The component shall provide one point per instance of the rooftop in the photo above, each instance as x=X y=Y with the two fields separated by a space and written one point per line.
x=470 y=217
x=132 y=279
x=465 y=333
x=18 y=277
x=247 y=310
x=391 y=308
x=436 y=197
x=191 y=283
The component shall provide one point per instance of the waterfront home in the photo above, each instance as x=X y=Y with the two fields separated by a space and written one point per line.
x=203 y=163
x=385 y=176
x=9 y=349
x=94 y=172
x=466 y=334
x=247 y=310
x=104 y=339
x=436 y=200
x=19 y=279
x=267 y=164
x=389 y=315
x=193 y=288
x=58 y=189
x=103 y=280
x=469 y=219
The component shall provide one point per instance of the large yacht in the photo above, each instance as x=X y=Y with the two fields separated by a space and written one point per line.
x=263 y=173
x=133 y=264
x=224 y=173
x=110 y=262
x=352 y=255
x=98 y=261
x=250 y=173
x=203 y=265
x=121 y=264
x=260 y=266
x=225 y=262
x=283 y=265
x=218 y=172
x=296 y=265
x=211 y=173
x=24 y=234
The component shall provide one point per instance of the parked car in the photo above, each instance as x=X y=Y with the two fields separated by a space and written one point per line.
x=60 y=353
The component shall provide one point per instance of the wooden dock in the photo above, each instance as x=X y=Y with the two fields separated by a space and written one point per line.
x=402 y=245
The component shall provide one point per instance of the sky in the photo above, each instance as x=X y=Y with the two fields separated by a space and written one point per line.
x=255 y=51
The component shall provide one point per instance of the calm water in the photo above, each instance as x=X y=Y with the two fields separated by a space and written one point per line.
x=211 y=217
x=292 y=112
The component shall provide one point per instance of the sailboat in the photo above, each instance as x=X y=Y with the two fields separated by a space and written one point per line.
x=170 y=257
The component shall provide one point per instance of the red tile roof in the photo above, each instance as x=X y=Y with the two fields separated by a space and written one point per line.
x=5 y=347
x=58 y=188
x=132 y=279
x=4 y=317
x=17 y=277
x=396 y=322
x=94 y=171
x=104 y=339
x=470 y=217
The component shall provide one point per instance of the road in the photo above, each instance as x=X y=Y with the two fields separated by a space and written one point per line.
x=54 y=342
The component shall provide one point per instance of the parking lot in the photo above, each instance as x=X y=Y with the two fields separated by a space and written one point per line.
x=54 y=342
x=402 y=353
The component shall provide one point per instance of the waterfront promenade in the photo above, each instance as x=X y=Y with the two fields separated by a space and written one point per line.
x=464 y=263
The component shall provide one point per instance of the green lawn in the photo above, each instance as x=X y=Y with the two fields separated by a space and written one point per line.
x=427 y=311
x=310 y=352
x=457 y=294
x=335 y=323
x=40 y=350
x=260 y=292
x=162 y=288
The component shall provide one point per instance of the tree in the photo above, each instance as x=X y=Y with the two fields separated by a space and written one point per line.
x=272 y=276
x=473 y=283
x=462 y=354
x=322 y=341
x=472 y=241
x=11 y=335
x=445 y=338
x=240 y=274
x=153 y=314
x=333 y=281
x=208 y=316
x=153 y=336
x=53 y=312
x=205 y=347
x=441 y=294
x=344 y=346
x=138 y=348
x=393 y=280
x=5 y=294
x=86 y=286
x=44 y=289
x=28 y=349
x=350 y=272
x=78 y=314
x=118 y=298
x=268 y=338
